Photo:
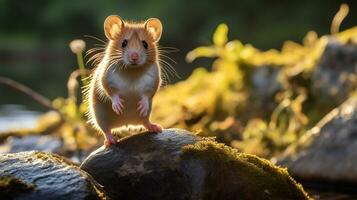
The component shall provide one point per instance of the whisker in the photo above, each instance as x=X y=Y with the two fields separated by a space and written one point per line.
x=95 y=59
x=164 y=60
x=168 y=70
x=172 y=49
x=95 y=49
x=93 y=37
x=168 y=65
x=165 y=77
x=165 y=56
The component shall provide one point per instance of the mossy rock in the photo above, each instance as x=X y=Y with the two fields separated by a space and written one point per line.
x=177 y=164
x=11 y=186
x=235 y=175
x=327 y=152
x=38 y=175
x=334 y=79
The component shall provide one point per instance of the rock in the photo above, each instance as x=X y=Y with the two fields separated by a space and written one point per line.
x=265 y=83
x=328 y=152
x=176 y=164
x=335 y=74
x=38 y=175
x=11 y=186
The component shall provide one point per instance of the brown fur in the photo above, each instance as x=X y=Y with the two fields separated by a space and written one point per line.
x=131 y=83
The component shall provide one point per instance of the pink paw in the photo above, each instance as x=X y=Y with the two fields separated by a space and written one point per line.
x=143 y=107
x=117 y=104
x=109 y=140
x=153 y=127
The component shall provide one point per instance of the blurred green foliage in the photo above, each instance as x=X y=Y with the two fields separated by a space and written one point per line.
x=234 y=101
x=259 y=101
x=34 y=34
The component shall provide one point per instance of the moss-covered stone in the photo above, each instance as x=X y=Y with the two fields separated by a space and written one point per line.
x=244 y=176
x=11 y=187
x=327 y=152
x=40 y=175
x=176 y=164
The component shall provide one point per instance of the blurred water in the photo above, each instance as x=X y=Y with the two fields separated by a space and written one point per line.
x=14 y=117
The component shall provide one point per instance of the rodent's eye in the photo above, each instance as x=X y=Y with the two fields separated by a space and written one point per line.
x=124 y=43
x=145 y=44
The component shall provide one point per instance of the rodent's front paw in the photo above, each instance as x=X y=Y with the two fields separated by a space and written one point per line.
x=143 y=107
x=117 y=104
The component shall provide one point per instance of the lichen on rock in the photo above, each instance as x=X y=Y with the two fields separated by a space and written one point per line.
x=11 y=187
x=234 y=175
x=177 y=164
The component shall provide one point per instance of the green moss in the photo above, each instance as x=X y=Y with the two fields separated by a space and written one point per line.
x=54 y=157
x=235 y=175
x=11 y=186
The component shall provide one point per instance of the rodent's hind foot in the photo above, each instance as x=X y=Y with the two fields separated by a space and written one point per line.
x=153 y=127
x=109 y=140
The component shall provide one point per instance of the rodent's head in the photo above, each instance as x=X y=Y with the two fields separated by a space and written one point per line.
x=134 y=44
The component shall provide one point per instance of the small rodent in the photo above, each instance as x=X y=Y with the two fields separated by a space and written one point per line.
x=127 y=77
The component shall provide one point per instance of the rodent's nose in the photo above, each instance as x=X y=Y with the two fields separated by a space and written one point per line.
x=134 y=56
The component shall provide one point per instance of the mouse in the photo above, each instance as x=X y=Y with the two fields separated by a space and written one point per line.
x=126 y=78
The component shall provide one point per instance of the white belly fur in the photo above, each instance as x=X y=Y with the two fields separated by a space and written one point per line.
x=133 y=85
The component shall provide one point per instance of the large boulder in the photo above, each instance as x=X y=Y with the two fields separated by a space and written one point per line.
x=335 y=75
x=176 y=164
x=38 y=175
x=328 y=151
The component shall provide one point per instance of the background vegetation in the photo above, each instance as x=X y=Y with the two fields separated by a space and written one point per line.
x=256 y=99
x=34 y=35
x=256 y=75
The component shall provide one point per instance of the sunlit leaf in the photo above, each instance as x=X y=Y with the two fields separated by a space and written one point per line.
x=220 y=37
x=247 y=52
x=209 y=52
x=233 y=49
x=71 y=108
x=58 y=102
x=235 y=46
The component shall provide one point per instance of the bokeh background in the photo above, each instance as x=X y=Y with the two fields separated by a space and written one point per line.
x=34 y=35
x=266 y=78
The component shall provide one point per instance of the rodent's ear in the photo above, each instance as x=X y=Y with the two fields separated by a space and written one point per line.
x=113 y=25
x=154 y=27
